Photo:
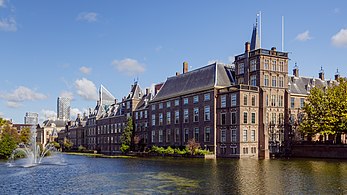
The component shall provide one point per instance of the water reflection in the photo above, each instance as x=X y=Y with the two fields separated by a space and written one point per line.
x=85 y=175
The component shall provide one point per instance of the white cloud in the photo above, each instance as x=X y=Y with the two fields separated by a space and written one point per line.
x=8 y=24
x=48 y=114
x=85 y=70
x=340 y=38
x=11 y=104
x=2 y=3
x=231 y=59
x=67 y=94
x=86 y=89
x=304 y=36
x=129 y=66
x=87 y=16
x=22 y=94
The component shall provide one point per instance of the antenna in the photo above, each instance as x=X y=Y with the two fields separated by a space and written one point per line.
x=282 y=33
x=259 y=14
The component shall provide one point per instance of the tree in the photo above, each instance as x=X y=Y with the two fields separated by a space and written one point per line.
x=192 y=146
x=68 y=144
x=9 y=139
x=25 y=135
x=325 y=111
x=126 y=136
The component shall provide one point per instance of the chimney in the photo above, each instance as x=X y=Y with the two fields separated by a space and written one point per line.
x=115 y=101
x=321 y=73
x=185 y=67
x=337 y=75
x=247 y=47
x=147 y=91
x=177 y=73
x=273 y=48
x=296 y=70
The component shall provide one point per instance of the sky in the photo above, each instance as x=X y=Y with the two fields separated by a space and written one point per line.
x=69 y=48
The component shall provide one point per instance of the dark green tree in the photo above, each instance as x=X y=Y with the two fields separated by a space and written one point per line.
x=9 y=139
x=25 y=135
x=127 y=135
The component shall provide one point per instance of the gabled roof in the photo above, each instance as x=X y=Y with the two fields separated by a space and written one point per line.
x=205 y=78
x=142 y=104
x=255 y=41
x=302 y=85
x=135 y=92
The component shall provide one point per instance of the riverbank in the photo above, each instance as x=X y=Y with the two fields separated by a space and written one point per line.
x=98 y=155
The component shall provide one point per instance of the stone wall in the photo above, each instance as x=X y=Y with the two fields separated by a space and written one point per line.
x=320 y=151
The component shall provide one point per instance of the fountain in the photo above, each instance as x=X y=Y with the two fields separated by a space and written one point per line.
x=32 y=154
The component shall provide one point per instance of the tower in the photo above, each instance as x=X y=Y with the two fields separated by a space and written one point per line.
x=31 y=118
x=63 y=108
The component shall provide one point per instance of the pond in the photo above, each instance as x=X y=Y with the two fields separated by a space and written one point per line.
x=86 y=175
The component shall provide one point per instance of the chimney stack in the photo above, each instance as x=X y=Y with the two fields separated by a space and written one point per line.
x=337 y=75
x=177 y=73
x=147 y=91
x=273 y=48
x=247 y=47
x=185 y=67
x=296 y=70
x=321 y=74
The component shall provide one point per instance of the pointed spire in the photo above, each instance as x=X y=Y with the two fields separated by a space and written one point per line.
x=255 y=41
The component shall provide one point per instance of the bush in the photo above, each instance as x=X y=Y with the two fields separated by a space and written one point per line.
x=169 y=150
x=81 y=148
x=180 y=152
x=124 y=148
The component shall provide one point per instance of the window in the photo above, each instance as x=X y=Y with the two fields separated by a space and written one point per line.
x=253 y=65
x=185 y=101
x=186 y=116
x=292 y=100
x=253 y=150
x=280 y=100
x=233 y=150
x=207 y=97
x=233 y=118
x=253 y=135
x=160 y=118
x=207 y=115
x=196 y=134
x=233 y=135
x=273 y=84
x=223 y=118
x=266 y=64
x=141 y=115
x=253 y=118
x=195 y=99
x=253 y=100
x=273 y=118
x=168 y=104
x=136 y=115
x=254 y=80
x=223 y=135
x=168 y=118
x=273 y=65
x=244 y=138
x=153 y=136
x=207 y=134
x=241 y=80
x=186 y=135
x=223 y=101
x=233 y=99
x=302 y=102
x=196 y=114
x=245 y=99
x=245 y=150
x=280 y=66
x=153 y=107
x=177 y=116
x=241 y=68
x=245 y=117
x=160 y=136
x=280 y=118
x=160 y=105
x=273 y=100
x=168 y=135
x=266 y=80
x=145 y=113
x=177 y=135
x=153 y=119
x=177 y=102
x=128 y=105
x=280 y=82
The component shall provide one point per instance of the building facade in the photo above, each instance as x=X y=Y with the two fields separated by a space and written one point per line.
x=31 y=118
x=63 y=108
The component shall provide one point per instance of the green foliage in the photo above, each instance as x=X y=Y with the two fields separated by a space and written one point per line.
x=124 y=148
x=9 y=139
x=81 y=148
x=325 y=111
x=170 y=150
x=180 y=152
x=56 y=145
x=25 y=135
x=192 y=146
x=68 y=144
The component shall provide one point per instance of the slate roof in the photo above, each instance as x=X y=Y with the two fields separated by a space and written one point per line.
x=142 y=104
x=208 y=77
x=135 y=92
x=302 y=85
x=58 y=123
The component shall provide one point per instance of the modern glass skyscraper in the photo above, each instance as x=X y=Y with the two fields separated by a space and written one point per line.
x=63 y=108
x=31 y=118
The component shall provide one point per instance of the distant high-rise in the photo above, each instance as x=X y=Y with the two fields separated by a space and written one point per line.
x=31 y=118
x=63 y=108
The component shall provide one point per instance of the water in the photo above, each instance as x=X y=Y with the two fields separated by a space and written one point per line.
x=84 y=175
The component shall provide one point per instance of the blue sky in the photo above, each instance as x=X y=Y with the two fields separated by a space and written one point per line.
x=69 y=48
